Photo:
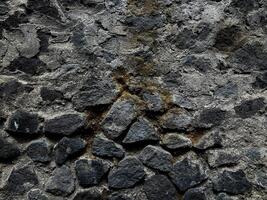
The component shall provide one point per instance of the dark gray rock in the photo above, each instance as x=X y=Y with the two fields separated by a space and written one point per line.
x=8 y=151
x=141 y=131
x=95 y=92
x=119 y=117
x=49 y=94
x=23 y=123
x=64 y=125
x=88 y=194
x=21 y=180
x=195 y=194
x=183 y=102
x=36 y=194
x=153 y=101
x=261 y=81
x=39 y=151
x=176 y=119
x=176 y=141
x=159 y=187
x=61 y=183
x=210 y=139
x=217 y=158
x=223 y=196
x=90 y=172
x=104 y=147
x=188 y=173
x=250 y=107
x=227 y=90
x=211 y=117
x=233 y=182
x=128 y=173
x=156 y=158
x=68 y=147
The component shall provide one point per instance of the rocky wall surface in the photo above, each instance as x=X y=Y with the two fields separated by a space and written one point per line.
x=133 y=99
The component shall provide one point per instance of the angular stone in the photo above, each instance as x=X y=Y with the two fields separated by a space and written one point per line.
x=250 y=107
x=232 y=182
x=183 y=102
x=64 y=125
x=128 y=173
x=68 y=147
x=21 y=180
x=217 y=158
x=195 y=194
x=159 y=187
x=90 y=172
x=45 y=7
x=154 y=101
x=141 y=131
x=210 y=139
x=8 y=151
x=88 y=194
x=156 y=158
x=49 y=94
x=188 y=173
x=96 y=92
x=104 y=147
x=36 y=194
x=211 y=117
x=119 y=117
x=22 y=122
x=61 y=183
x=176 y=120
x=176 y=141
x=39 y=151
x=261 y=81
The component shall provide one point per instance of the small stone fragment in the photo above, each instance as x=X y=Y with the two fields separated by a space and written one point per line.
x=176 y=120
x=64 y=125
x=90 y=172
x=21 y=180
x=88 y=194
x=210 y=139
x=195 y=194
x=119 y=117
x=250 y=107
x=141 y=131
x=156 y=158
x=68 y=147
x=129 y=172
x=159 y=187
x=61 y=183
x=176 y=141
x=187 y=174
x=154 y=101
x=8 y=151
x=22 y=122
x=36 y=194
x=232 y=182
x=217 y=158
x=39 y=151
x=104 y=147
x=183 y=102
x=48 y=94
x=211 y=117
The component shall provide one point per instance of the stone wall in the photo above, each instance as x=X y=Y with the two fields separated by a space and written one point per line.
x=133 y=99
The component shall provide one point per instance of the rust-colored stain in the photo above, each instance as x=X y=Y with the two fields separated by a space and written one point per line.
x=196 y=135
x=143 y=7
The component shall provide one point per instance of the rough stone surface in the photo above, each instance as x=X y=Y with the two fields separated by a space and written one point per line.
x=105 y=147
x=61 y=183
x=36 y=194
x=39 y=151
x=8 y=151
x=195 y=194
x=129 y=172
x=232 y=182
x=92 y=194
x=68 y=147
x=141 y=131
x=156 y=158
x=175 y=141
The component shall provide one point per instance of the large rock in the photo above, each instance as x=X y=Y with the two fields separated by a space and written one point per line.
x=233 y=182
x=159 y=187
x=105 y=147
x=195 y=194
x=23 y=123
x=39 y=151
x=21 y=180
x=141 y=131
x=217 y=158
x=61 y=183
x=90 y=172
x=8 y=151
x=95 y=92
x=128 y=173
x=68 y=147
x=176 y=141
x=250 y=107
x=153 y=101
x=119 y=117
x=211 y=117
x=156 y=158
x=188 y=173
x=64 y=125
